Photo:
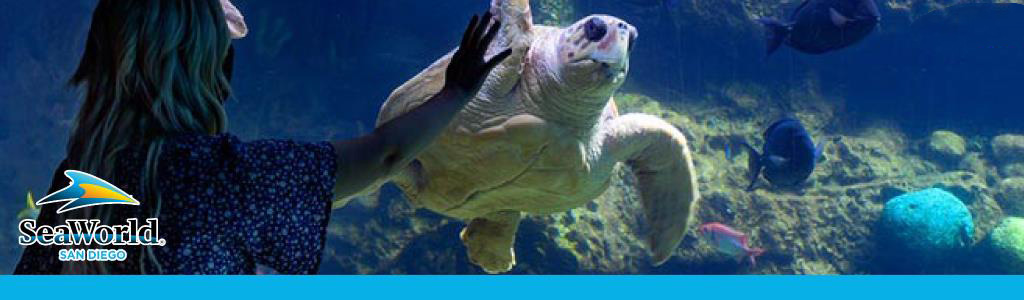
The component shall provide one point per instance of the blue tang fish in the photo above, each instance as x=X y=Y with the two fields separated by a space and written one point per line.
x=788 y=157
x=819 y=26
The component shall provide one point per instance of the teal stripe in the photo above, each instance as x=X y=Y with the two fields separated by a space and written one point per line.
x=526 y=287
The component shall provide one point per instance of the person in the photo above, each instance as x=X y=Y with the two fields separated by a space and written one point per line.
x=155 y=76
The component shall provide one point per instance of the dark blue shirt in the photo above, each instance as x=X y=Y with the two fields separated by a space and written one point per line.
x=226 y=206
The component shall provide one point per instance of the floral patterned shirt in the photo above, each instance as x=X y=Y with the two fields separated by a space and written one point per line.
x=226 y=206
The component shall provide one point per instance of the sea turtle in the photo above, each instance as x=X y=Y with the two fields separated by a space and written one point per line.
x=543 y=136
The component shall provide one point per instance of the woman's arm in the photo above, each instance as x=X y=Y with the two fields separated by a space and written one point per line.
x=367 y=159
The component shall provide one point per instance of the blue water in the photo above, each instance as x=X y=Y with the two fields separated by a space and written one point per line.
x=316 y=70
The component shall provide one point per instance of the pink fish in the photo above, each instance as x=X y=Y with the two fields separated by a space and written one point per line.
x=730 y=241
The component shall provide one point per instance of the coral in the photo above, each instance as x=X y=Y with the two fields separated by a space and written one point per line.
x=925 y=231
x=1010 y=194
x=945 y=147
x=1007 y=245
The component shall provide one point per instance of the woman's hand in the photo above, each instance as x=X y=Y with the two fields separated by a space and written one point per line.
x=467 y=69
x=368 y=161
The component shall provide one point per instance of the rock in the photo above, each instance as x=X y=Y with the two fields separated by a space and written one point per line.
x=974 y=162
x=966 y=186
x=924 y=232
x=945 y=148
x=1008 y=148
x=964 y=193
x=1007 y=245
x=1010 y=194
x=1012 y=170
x=872 y=155
x=815 y=268
x=890 y=192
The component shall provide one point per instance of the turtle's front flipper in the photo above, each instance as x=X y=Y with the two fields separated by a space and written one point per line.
x=516 y=34
x=666 y=179
x=489 y=241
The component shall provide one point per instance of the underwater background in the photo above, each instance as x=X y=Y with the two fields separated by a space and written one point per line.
x=931 y=99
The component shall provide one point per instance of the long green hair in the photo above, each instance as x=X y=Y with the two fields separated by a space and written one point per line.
x=151 y=69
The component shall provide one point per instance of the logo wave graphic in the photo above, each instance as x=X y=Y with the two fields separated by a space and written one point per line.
x=87 y=190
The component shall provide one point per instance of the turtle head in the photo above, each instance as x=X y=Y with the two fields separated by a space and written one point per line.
x=593 y=55
x=575 y=70
x=595 y=51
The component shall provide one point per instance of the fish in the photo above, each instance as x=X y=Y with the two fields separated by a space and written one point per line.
x=788 y=156
x=821 y=26
x=31 y=211
x=730 y=241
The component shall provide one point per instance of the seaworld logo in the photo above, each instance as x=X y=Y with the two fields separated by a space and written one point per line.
x=87 y=190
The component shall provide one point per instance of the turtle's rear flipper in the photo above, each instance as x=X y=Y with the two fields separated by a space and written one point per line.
x=666 y=179
x=489 y=241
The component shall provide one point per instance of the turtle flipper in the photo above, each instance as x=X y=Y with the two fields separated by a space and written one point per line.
x=489 y=241
x=515 y=34
x=666 y=179
x=517 y=22
x=235 y=21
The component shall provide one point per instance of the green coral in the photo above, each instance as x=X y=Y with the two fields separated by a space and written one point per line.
x=1007 y=242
